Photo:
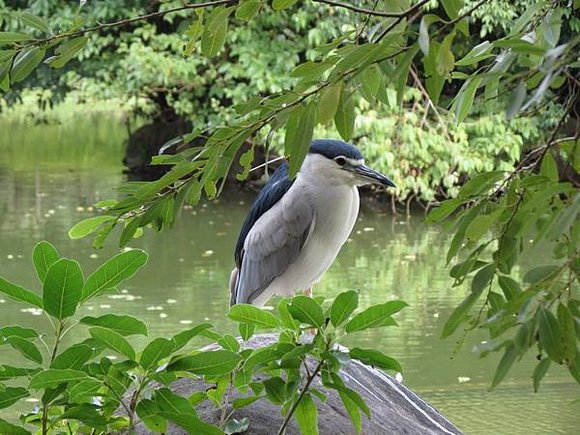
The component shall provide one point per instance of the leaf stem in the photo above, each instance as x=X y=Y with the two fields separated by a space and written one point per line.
x=309 y=380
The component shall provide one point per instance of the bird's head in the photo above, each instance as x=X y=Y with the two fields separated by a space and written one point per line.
x=340 y=162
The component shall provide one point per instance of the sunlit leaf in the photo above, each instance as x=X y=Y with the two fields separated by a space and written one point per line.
x=116 y=270
x=306 y=414
x=374 y=316
x=122 y=324
x=72 y=358
x=11 y=395
x=210 y=363
x=253 y=315
x=343 y=306
x=88 y=226
x=156 y=350
x=306 y=310
x=375 y=358
x=19 y=294
x=62 y=288
x=25 y=62
x=27 y=348
x=52 y=377
x=44 y=256
x=113 y=341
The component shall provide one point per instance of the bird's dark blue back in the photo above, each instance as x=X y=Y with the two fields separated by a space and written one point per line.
x=270 y=194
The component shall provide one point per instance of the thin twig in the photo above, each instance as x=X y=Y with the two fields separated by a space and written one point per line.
x=361 y=10
x=365 y=24
x=401 y=17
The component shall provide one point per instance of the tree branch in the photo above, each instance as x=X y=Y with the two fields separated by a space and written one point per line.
x=120 y=23
x=401 y=17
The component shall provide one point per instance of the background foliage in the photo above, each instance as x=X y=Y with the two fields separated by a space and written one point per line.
x=491 y=122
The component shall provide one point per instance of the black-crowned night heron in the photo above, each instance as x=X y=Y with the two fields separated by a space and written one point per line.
x=295 y=228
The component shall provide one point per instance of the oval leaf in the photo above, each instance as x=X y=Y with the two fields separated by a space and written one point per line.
x=113 y=341
x=44 y=256
x=113 y=272
x=210 y=363
x=25 y=62
x=50 y=378
x=306 y=310
x=375 y=316
x=343 y=306
x=253 y=315
x=124 y=325
x=88 y=226
x=62 y=288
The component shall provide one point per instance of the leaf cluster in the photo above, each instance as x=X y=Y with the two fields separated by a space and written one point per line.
x=81 y=387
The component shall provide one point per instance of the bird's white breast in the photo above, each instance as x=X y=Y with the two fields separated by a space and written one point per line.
x=336 y=210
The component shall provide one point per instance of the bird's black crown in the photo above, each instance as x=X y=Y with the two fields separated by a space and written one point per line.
x=331 y=148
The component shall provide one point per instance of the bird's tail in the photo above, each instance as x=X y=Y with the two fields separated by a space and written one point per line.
x=234 y=286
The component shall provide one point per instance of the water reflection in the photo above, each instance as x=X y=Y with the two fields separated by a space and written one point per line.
x=48 y=186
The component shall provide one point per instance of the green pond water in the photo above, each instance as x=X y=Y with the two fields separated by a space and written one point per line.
x=51 y=174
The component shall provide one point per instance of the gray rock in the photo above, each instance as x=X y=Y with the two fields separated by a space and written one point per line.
x=394 y=408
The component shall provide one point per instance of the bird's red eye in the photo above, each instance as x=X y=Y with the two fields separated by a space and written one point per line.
x=341 y=161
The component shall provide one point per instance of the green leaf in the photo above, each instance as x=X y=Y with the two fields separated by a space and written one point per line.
x=72 y=358
x=51 y=378
x=88 y=226
x=549 y=168
x=550 y=335
x=122 y=324
x=11 y=395
x=459 y=314
x=276 y=390
x=44 y=256
x=209 y=363
x=445 y=61
x=148 y=411
x=247 y=10
x=229 y=342
x=246 y=330
x=26 y=348
x=345 y=115
x=299 y=131
x=19 y=331
x=62 y=288
x=328 y=103
x=452 y=7
x=84 y=391
x=375 y=358
x=19 y=294
x=250 y=314
x=86 y=413
x=35 y=22
x=464 y=99
x=119 y=268
x=401 y=73
x=237 y=426
x=482 y=278
x=424 y=36
x=479 y=52
x=193 y=425
x=65 y=52
x=306 y=310
x=447 y=207
x=516 y=100
x=568 y=330
x=10 y=37
x=504 y=365
x=168 y=401
x=509 y=286
x=352 y=410
x=25 y=62
x=540 y=371
x=184 y=337
x=540 y=273
x=375 y=316
x=113 y=340
x=343 y=306
x=214 y=34
x=279 y=5
x=306 y=415
x=9 y=428
x=155 y=351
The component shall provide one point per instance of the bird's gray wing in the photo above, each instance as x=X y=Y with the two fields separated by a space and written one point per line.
x=272 y=244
